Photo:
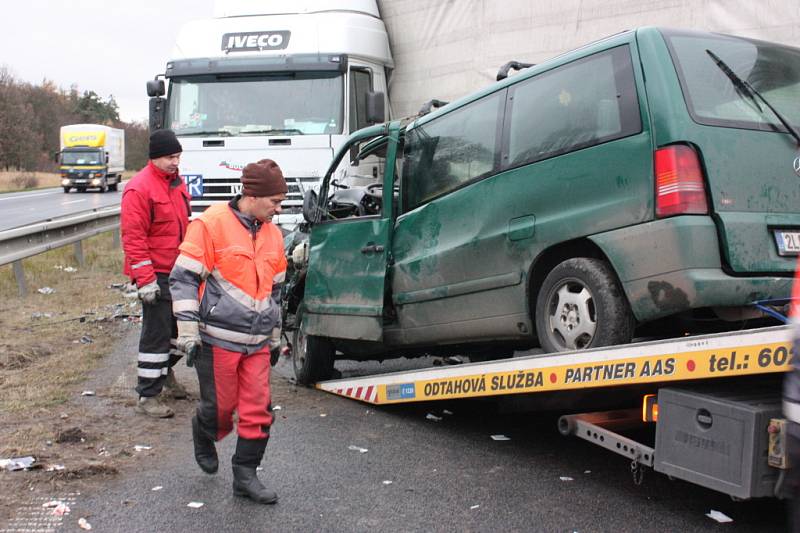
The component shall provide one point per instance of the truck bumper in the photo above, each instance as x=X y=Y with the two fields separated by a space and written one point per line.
x=673 y=265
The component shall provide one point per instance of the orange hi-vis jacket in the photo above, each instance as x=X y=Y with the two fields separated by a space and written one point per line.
x=228 y=276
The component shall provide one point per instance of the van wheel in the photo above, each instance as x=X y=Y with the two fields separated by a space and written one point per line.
x=312 y=356
x=581 y=305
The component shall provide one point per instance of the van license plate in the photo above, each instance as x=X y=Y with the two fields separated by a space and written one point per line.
x=788 y=241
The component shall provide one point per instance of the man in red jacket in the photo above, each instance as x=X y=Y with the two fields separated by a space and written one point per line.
x=155 y=214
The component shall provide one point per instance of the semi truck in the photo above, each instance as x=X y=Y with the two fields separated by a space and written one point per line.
x=92 y=156
x=288 y=81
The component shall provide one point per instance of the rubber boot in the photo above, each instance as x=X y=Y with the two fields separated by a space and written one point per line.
x=153 y=406
x=205 y=453
x=173 y=388
x=245 y=461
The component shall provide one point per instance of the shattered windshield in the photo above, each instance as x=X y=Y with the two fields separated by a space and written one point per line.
x=286 y=104
x=772 y=69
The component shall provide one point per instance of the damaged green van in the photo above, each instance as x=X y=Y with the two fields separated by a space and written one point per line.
x=652 y=174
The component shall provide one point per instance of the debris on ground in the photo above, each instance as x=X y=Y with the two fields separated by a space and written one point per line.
x=500 y=437
x=17 y=463
x=61 y=509
x=277 y=408
x=157 y=488
x=87 y=393
x=46 y=290
x=84 y=524
x=36 y=315
x=322 y=415
x=474 y=506
x=86 y=339
x=70 y=270
x=74 y=434
x=142 y=447
x=358 y=449
x=195 y=505
x=722 y=518
x=54 y=468
x=587 y=471
x=433 y=417
x=387 y=481
x=566 y=478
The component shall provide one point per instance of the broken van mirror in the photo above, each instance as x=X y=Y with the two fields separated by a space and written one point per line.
x=156 y=113
x=155 y=88
x=310 y=206
x=376 y=111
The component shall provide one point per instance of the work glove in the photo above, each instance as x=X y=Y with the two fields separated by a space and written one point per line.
x=275 y=346
x=189 y=340
x=149 y=293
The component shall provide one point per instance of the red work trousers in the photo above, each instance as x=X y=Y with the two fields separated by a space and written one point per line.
x=233 y=381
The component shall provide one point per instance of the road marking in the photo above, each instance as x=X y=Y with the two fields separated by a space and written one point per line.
x=73 y=201
x=29 y=195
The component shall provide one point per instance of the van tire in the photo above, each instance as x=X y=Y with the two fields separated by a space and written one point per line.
x=312 y=356
x=582 y=305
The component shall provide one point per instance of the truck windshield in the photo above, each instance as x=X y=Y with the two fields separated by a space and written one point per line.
x=773 y=70
x=81 y=158
x=294 y=104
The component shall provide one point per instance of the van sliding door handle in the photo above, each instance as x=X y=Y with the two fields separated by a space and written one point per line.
x=377 y=248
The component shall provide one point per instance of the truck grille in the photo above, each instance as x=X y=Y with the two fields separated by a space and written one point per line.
x=223 y=189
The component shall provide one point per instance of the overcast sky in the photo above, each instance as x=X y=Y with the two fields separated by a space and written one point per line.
x=107 y=46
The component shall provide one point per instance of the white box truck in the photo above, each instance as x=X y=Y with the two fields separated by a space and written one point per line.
x=91 y=156
x=288 y=81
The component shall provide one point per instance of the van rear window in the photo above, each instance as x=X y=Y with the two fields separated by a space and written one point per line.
x=712 y=98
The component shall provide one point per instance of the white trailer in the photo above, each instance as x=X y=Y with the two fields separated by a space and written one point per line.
x=282 y=80
x=91 y=156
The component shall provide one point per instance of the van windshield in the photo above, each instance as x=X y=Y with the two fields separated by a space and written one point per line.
x=772 y=69
x=285 y=104
x=81 y=158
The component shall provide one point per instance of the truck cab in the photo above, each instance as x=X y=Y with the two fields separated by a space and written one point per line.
x=278 y=80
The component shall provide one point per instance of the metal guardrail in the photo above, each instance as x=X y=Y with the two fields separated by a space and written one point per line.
x=27 y=241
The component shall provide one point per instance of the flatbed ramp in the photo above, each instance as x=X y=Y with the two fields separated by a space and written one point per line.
x=702 y=357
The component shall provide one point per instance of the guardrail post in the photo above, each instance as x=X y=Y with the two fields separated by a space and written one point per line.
x=79 y=253
x=19 y=273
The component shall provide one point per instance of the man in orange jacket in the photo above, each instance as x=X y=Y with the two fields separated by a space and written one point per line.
x=154 y=216
x=226 y=297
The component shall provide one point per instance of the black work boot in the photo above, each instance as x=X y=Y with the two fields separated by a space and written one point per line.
x=205 y=453
x=249 y=453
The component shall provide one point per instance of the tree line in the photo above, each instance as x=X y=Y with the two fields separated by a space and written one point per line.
x=31 y=116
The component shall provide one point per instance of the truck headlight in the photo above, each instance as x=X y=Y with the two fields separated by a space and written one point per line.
x=65 y=181
x=95 y=181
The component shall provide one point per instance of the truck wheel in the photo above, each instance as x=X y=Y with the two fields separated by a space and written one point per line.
x=67 y=189
x=81 y=189
x=312 y=356
x=104 y=186
x=114 y=186
x=581 y=305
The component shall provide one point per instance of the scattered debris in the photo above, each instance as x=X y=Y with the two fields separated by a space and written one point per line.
x=357 y=448
x=446 y=412
x=195 y=505
x=64 y=416
x=70 y=270
x=259 y=468
x=38 y=316
x=474 y=506
x=387 y=481
x=61 y=509
x=87 y=393
x=322 y=415
x=587 y=471
x=433 y=417
x=54 y=468
x=277 y=408
x=86 y=339
x=51 y=504
x=566 y=478
x=102 y=452
x=17 y=463
x=84 y=524
x=142 y=447
x=157 y=488
x=722 y=518
x=46 y=290
x=500 y=437
x=118 y=285
x=74 y=434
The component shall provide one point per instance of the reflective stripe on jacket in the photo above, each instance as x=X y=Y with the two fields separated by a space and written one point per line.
x=227 y=277
x=154 y=216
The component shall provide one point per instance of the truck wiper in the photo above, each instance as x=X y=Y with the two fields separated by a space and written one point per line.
x=290 y=131
x=745 y=88
x=219 y=133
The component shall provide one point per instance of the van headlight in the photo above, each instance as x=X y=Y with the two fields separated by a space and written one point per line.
x=95 y=181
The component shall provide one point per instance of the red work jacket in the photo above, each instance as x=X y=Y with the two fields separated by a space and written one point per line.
x=153 y=221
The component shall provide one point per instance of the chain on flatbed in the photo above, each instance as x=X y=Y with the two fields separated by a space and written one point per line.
x=722 y=355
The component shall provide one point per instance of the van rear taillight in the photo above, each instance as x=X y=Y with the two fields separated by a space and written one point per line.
x=680 y=187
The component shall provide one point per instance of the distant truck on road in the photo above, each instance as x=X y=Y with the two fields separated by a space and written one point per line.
x=91 y=156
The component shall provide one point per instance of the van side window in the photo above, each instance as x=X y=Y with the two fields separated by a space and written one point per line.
x=581 y=104
x=360 y=85
x=452 y=150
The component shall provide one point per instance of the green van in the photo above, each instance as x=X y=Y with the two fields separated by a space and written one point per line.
x=649 y=175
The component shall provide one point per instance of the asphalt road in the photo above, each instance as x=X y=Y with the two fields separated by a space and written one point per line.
x=23 y=208
x=445 y=476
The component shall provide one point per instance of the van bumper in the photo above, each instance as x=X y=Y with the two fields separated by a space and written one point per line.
x=673 y=265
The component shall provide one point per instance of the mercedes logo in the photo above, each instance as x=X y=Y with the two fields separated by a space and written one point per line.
x=796 y=165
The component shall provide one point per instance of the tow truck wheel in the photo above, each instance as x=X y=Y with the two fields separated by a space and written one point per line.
x=581 y=305
x=312 y=356
x=67 y=189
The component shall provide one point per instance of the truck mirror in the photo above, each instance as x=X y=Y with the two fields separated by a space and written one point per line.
x=156 y=113
x=155 y=88
x=310 y=207
x=106 y=159
x=376 y=112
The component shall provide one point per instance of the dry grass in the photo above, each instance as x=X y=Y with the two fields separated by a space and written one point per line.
x=41 y=353
x=19 y=180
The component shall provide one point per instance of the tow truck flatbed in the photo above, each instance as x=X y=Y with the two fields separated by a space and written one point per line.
x=701 y=357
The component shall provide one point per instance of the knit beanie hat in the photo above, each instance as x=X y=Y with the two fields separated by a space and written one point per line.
x=263 y=179
x=164 y=142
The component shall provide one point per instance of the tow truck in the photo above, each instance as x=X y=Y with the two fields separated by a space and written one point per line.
x=714 y=401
